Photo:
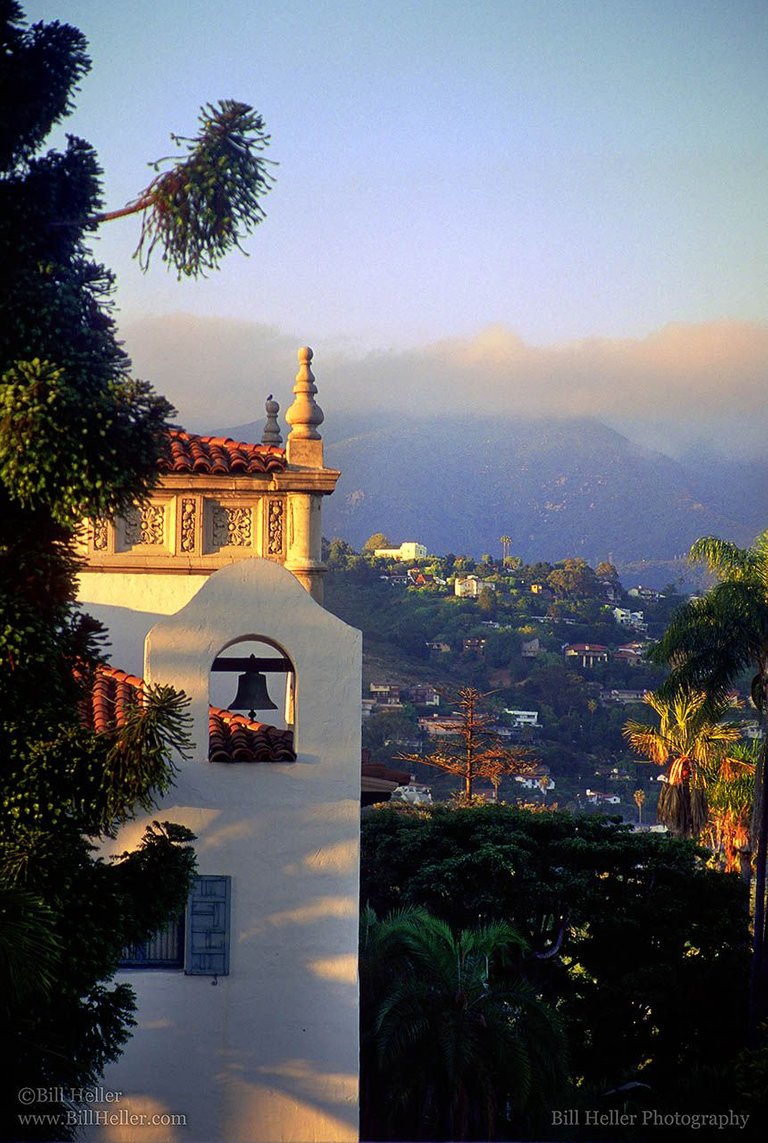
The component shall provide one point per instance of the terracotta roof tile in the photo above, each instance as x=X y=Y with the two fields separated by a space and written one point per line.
x=112 y=693
x=219 y=456
x=235 y=738
x=232 y=737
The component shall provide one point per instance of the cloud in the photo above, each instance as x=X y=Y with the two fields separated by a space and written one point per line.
x=678 y=385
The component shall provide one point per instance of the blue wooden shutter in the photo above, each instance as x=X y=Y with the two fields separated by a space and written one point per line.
x=208 y=927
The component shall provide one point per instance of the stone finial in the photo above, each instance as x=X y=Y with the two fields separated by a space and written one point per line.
x=304 y=414
x=271 y=434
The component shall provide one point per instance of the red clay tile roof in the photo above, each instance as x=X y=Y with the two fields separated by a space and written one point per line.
x=219 y=456
x=232 y=737
x=106 y=704
x=235 y=738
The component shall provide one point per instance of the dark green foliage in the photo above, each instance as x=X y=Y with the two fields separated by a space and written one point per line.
x=207 y=203
x=37 y=83
x=455 y=1042
x=652 y=969
x=78 y=436
x=709 y=644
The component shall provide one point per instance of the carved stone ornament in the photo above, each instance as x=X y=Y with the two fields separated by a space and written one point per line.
x=271 y=434
x=145 y=525
x=231 y=527
x=188 y=525
x=100 y=534
x=275 y=528
x=305 y=414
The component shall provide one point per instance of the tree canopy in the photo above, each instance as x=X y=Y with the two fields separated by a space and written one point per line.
x=79 y=436
x=642 y=949
x=710 y=642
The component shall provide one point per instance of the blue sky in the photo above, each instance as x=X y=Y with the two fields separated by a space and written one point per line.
x=569 y=172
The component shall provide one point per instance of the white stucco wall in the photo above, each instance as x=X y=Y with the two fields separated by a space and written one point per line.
x=269 y=1052
x=129 y=605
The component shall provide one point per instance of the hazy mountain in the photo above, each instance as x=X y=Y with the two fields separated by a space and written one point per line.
x=557 y=487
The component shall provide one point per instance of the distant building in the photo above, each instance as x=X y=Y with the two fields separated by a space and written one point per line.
x=438 y=648
x=595 y=798
x=473 y=646
x=415 y=794
x=422 y=694
x=470 y=586
x=419 y=578
x=543 y=782
x=619 y=695
x=626 y=618
x=521 y=718
x=385 y=694
x=585 y=654
x=649 y=594
x=631 y=653
x=443 y=727
x=409 y=550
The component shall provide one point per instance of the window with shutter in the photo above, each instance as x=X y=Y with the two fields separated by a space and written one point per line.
x=165 y=949
x=197 y=942
x=207 y=951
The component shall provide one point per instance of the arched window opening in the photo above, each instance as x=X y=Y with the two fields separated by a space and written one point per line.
x=252 y=694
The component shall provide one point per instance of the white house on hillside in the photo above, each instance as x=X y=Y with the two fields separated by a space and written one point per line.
x=409 y=550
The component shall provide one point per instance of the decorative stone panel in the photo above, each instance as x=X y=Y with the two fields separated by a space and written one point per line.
x=230 y=528
x=189 y=525
x=143 y=526
x=100 y=534
x=275 y=539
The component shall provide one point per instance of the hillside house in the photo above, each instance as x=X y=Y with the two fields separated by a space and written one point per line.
x=439 y=648
x=418 y=578
x=473 y=647
x=444 y=727
x=585 y=654
x=522 y=718
x=626 y=618
x=596 y=798
x=470 y=586
x=649 y=594
x=421 y=694
x=633 y=654
x=385 y=694
x=531 y=648
x=543 y=782
x=622 y=695
x=409 y=550
x=216 y=579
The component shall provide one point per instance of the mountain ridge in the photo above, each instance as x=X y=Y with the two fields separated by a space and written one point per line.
x=558 y=487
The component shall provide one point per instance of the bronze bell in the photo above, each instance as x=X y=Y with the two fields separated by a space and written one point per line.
x=252 y=694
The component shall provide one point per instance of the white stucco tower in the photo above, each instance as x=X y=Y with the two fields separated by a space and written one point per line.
x=248 y=1009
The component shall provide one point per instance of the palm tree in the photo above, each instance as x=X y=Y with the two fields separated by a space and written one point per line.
x=730 y=795
x=639 y=800
x=709 y=643
x=453 y=1037
x=688 y=741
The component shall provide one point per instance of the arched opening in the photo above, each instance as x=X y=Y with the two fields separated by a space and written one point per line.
x=252 y=697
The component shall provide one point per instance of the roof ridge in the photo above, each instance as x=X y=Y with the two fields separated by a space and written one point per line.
x=218 y=438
